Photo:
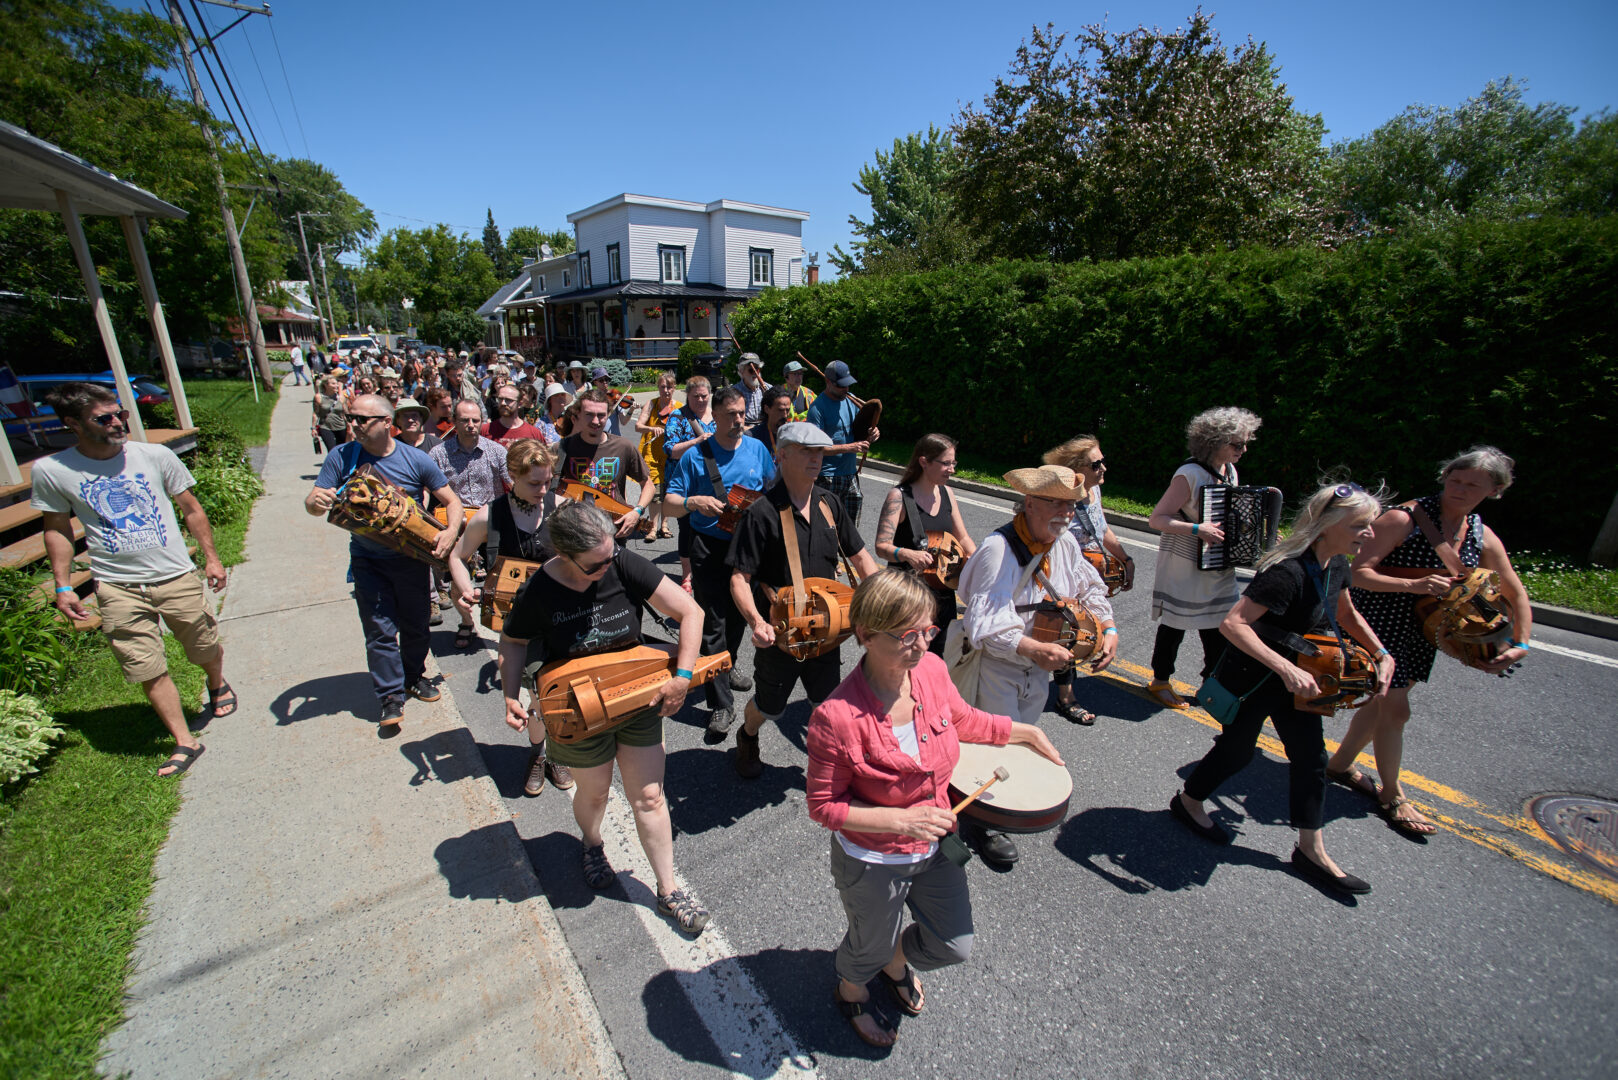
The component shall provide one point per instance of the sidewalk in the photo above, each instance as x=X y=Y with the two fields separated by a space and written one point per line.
x=330 y=903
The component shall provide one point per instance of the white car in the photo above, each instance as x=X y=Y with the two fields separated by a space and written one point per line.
x=348 y=345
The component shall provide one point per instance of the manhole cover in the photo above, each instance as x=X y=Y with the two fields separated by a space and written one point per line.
x=1583 y=826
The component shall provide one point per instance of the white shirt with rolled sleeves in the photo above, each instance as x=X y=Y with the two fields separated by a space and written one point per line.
x=990 y=575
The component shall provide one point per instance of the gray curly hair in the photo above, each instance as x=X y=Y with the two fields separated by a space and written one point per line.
x=576 y=527
x=1488 y=458
x=1212 y=429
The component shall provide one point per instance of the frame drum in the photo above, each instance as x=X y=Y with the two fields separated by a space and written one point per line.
x=1033 y=800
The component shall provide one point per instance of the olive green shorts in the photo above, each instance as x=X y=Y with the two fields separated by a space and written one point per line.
x=644 y=730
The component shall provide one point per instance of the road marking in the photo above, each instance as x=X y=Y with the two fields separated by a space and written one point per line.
x=1578 y=878
x=1576 y=654
x=750 y=1036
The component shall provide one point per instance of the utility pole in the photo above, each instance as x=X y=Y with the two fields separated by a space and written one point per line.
x=314 y=292
x=326 y=281
x=244 y=286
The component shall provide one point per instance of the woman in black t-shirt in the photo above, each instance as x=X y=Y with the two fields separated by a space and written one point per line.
x=924 y=487
x=1300 y=589
x=588 y=599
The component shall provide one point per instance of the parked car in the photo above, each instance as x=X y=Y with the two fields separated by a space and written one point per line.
x=148 y=391
x=346 y=344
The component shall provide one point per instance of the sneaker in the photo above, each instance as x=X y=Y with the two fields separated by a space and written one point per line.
x=436 y=618
x=536 y=774
x=740 y=681
x=392 y=711
x=560 y=775
x=444 y=602
x=422 y=690
x=749 y=765
x=683 y=908
x=720 y=721
x=597 y=870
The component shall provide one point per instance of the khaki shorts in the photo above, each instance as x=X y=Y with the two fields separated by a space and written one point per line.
x=129 y=618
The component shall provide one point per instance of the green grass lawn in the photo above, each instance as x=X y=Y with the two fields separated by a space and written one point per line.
x=1568 y=582
x=233 y=398
x=988 y=469
x=77 y=845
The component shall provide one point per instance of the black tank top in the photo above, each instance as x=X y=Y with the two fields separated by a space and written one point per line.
x=507 y=539
x=904 y=536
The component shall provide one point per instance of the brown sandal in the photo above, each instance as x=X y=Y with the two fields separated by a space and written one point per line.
x=1408 y=825
x=1354 y=779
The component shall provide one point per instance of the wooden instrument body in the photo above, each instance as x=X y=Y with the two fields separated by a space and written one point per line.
x=1033 y=799
x=1114 y=574
x=736 y=503
x=817 y=624
x=575 y=489
x=580 y=698
x=441 y=515
x=1467 y=621
x=500 y=589
x=948 y=559
x=368 y=504
x=1347 y=677
x=1069 y=625
x=1248 y=516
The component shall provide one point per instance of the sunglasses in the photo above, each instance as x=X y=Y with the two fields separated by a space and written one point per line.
x=594 y=568
x=361 y=419
x=1098 y=463
x=1241 y=445
x=911 y=638
x=1343 y=491
x=106 y=419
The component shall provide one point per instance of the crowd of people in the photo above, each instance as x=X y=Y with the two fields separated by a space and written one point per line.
x=762 y=483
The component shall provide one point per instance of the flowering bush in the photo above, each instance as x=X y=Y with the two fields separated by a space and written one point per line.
x=701 y=311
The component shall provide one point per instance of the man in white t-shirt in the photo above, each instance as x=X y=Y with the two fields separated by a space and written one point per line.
x=298 y=374
x=125 y=494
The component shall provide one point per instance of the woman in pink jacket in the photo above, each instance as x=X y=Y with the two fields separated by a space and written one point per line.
x=881 y=751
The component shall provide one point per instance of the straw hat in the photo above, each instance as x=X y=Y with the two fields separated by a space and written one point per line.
x=1047 y=482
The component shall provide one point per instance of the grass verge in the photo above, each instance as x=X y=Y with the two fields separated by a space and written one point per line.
x=233 y=400
x=1568 y=582
x=988 y=469
x=77 y=845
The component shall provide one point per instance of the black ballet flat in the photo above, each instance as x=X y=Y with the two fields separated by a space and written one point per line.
x=1212 y=832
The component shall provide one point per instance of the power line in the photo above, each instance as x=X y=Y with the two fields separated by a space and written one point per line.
x=290 y=95
x=218 y=92
x=204 y=24
x=267 y=97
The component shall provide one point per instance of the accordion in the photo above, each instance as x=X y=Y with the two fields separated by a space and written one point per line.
x=1248 y=516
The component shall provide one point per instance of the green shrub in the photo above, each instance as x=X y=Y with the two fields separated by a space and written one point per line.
x=617 y=372
x=35 y=645
x=1386 y=356
x=649 y=376
x=217 y=435
x=225 y=489
x=279 y=356
x=685 y=363
x=26 y=734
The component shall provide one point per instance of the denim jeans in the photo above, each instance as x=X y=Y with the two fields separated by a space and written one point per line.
x=391 y=592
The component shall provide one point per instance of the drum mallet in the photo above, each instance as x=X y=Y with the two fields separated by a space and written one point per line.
x=953 y=847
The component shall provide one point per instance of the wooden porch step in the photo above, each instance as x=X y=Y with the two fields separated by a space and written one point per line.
x=17 y=515
x=32 y=549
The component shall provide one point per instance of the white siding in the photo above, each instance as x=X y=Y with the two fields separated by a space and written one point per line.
x=654 y=226
x=744 y=231
x=596 y=232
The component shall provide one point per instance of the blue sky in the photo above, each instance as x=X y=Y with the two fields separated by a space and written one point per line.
x=436 y=111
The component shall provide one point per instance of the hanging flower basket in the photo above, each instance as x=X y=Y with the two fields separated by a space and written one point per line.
x=653 y=312
x=700 y=311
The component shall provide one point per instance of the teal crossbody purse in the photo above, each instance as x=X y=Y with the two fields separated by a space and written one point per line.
x=1221 y=704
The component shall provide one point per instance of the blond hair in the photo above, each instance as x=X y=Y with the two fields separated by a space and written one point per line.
x=889 y=600
x=1324 y=509
x=1071 y=453
x=526 y=454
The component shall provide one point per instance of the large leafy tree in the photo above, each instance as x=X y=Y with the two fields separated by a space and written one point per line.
x=1140 y=143
x=438 y=269
x=913 y=223
x=331 y=216
x=1493 y=156
x=88 y=77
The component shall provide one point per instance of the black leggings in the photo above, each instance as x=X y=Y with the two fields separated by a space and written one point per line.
x=1302 y=735
x=1167 y=647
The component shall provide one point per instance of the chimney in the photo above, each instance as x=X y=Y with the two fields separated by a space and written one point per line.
x=814 y=274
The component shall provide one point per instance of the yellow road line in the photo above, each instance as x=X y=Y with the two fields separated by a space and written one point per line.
x=1578 y=878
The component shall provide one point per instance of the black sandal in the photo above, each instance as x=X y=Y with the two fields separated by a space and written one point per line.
x=224 y=699
x=181 y=759
x=598 y=873
x=851 y=1010
x=907 y=1005
x=464 y=636
x=1073 y=711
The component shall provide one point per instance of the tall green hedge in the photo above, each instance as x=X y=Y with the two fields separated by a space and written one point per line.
x=1382 y=358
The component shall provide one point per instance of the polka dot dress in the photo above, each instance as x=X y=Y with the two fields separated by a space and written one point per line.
x=1393 y=615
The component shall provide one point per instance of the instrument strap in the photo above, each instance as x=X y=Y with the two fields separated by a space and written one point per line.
x=842 y=557
x=1322 y=583
x=789 y=532
x=918 y=534
x=1442 y=546
x=720 y=491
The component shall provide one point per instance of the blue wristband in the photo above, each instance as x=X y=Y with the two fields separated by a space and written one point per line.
x=64 y=588
x=1194 y=528
x=682 y=673
x=1109 y=630
x=1523 y=645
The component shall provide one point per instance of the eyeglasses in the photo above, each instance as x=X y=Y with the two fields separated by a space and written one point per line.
x=361 y=420
x=1065 y=505
x=106 y=419
x=1098 y=463
x=508 y=400
x=911 y=638
x=595 y=568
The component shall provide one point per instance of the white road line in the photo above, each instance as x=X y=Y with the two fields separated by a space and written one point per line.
x=1577 y=654
x=749 y=1035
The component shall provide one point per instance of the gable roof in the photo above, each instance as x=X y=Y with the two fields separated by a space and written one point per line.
x=502 y=294
x=33 y=170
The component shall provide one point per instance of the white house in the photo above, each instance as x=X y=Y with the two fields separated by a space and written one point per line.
x=649 y=273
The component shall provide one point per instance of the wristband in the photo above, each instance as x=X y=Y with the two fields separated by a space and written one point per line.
x=1523 y=645
x=682 y=673
x=64 y=588
x=1194 y=528
x=640 y=511
x=1379 y=654
x=1109 y=630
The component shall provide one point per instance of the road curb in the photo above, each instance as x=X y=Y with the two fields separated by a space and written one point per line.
x=1580 y=622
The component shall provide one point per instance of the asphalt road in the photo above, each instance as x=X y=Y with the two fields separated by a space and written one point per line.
x=1122 y=946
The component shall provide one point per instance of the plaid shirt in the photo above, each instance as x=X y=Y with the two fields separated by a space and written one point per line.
x=477 y=475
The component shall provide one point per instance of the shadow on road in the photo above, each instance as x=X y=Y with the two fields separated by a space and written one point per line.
x=488 y=863
x=705 y=793
x=348 y=694
x=1142 y=851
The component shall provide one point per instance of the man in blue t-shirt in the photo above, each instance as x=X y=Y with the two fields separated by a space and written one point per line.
x=833 y=412
x=392 y=590
x=739 y=461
